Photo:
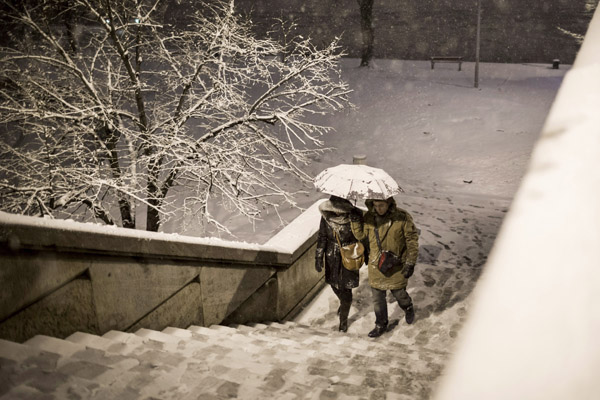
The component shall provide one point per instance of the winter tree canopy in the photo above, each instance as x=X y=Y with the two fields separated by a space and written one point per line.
x=141 y=119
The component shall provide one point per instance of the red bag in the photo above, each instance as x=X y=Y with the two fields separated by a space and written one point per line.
x=387 y=261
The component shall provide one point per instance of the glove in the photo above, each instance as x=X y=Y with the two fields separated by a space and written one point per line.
x=319 y=261
x=409 y=269
x=356 y=215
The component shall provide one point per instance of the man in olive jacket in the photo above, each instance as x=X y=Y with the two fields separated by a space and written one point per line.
x=397 y=233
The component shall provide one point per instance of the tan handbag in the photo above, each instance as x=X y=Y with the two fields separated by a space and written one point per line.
x=353 y=255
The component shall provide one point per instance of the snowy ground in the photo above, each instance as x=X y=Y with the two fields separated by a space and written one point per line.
x=432 y=130
x=459 y=153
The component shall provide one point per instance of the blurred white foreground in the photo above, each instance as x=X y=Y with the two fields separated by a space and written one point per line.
x=534 y=325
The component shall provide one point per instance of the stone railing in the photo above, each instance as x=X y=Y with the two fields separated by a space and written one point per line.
x=59 y=277
x=534 y=328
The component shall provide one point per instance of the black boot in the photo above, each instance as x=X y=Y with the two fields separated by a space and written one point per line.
x=343 y=325
x=344 y=310
x=409 y=314
x=378 y=331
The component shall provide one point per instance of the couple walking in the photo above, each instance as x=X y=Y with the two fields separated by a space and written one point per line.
x=383 y=227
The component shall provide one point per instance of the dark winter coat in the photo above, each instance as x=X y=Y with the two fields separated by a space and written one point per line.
x=397 y=233
x=335 y=216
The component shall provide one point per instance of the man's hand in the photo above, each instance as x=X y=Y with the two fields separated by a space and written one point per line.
x=409 y=269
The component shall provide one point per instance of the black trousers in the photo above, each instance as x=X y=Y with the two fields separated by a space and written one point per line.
x=380 y=303
x=345 y=297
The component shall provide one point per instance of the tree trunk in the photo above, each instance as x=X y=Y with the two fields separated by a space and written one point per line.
x=366 y=26
x=477 y=44
x=111 y=138
x=70 y=26
x=152 y=216
x=154 y=194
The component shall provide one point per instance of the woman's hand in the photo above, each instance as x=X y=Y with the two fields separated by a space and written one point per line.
x=319 y=260
x=356 y=215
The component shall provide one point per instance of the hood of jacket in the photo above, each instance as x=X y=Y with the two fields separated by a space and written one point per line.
x=370 y=207
x=336 y=211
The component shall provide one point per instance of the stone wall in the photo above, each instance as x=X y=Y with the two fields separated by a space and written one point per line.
x=512 y=31
x=59 y=277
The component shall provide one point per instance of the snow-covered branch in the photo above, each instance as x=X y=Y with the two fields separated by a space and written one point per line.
x=148 y=120
x=578 y=38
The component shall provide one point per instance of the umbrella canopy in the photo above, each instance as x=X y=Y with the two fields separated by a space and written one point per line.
x=354 y=182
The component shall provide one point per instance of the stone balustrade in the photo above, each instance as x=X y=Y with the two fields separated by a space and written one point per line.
x=60 y=276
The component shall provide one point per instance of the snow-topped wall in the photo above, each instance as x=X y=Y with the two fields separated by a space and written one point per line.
x=533 y=332
x=60 y=276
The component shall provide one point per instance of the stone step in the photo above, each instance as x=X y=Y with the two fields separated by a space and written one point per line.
x=77 y=360
x=20 y=363
x=158 y=336
x=59 y=366
x=272 y=360
x=343 y=346
x=136 y=343
x=237 y=366
x=89 y=340
x=54 y=345
x=149 y=355
x=44 y=384
x=150 y=371
x=18 y=353
x=238 y=358
x=350 y=342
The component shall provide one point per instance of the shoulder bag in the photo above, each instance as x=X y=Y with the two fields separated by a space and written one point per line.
x=353 y=255
x=387 y=259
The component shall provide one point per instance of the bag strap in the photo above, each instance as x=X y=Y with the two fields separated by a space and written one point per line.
x=377 y=236
x=336 y=234
x=337 y=238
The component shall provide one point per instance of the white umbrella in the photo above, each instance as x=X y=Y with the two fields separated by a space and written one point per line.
x=353 y=182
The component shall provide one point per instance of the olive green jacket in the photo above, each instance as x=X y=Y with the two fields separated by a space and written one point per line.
x=397 y=233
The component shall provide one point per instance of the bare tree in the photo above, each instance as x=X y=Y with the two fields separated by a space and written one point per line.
x=156 y=121
x=589 y=8
x=283 y=31
x=368 y=34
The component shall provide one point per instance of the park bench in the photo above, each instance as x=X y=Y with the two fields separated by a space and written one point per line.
x=446 y=59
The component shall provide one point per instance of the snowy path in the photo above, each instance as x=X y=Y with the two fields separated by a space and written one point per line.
x=459 y=153
x=456 y=236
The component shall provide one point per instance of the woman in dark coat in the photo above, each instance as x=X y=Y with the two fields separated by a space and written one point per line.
x=335 y=219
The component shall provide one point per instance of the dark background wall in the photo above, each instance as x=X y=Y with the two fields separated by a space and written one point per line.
x=512 y=31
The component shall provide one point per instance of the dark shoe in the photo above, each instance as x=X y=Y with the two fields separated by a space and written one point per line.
x=409 y=314
x=343 y=326
x=377 y=331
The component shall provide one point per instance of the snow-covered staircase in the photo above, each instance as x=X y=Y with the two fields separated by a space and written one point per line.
x=278 y=361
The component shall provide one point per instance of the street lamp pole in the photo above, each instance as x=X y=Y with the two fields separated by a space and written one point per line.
x=477 y=45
